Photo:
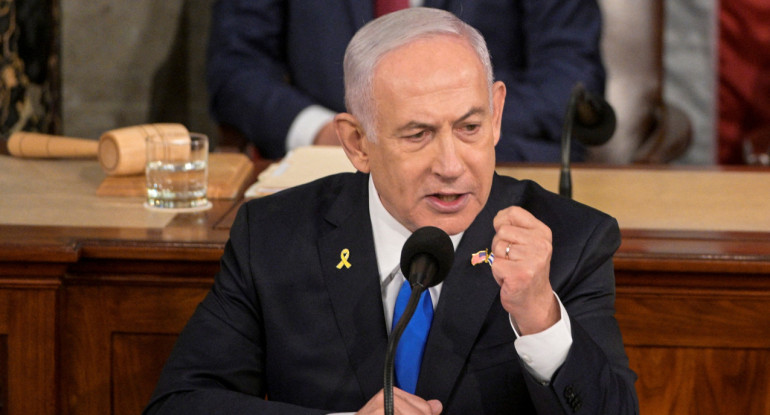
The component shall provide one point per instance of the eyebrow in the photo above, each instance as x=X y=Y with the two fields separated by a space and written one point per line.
x=421 y=125
x=473 y=111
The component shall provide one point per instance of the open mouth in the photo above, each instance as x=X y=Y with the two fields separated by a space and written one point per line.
x=447 y=198
x=448 y=202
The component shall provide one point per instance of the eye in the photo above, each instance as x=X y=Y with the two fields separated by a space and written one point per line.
x=417 y=136
x=470 y=128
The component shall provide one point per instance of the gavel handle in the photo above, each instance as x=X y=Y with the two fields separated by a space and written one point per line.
x=28 y=144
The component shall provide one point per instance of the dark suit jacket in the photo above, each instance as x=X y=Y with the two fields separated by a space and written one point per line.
x=270 y=59
x=283 y=321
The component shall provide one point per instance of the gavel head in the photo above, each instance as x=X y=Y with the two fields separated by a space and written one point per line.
x=123 y=151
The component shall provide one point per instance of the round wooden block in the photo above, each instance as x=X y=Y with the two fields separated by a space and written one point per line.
x=123 y=151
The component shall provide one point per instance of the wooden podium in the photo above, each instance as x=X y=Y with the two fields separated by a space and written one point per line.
x=91 y=307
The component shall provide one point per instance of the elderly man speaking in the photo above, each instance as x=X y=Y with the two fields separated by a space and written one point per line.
x=298 y=319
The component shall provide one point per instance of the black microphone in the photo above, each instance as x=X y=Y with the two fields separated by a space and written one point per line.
x=426 y=259
x=591 y=120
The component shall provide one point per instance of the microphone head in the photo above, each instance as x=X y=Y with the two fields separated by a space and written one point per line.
x=595 y=119
x=433 y=245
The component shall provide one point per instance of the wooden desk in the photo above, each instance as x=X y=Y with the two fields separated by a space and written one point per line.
x=89 y=314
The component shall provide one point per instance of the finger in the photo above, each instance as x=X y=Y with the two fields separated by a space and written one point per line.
x=515 y=216
x=528 y=247
x=518 y=263
x=511 y=243
x=435 y=406
x=508 y=237
x=502 y=248
x=406 y=403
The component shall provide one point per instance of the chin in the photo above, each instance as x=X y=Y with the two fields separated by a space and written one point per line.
x=451 y=226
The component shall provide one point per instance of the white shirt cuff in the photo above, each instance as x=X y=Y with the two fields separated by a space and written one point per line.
x=306 y=126
x=543 y=353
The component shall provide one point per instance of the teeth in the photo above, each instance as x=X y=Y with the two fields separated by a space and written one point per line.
x=447 y=198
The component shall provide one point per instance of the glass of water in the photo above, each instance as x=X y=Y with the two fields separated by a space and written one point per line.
x=177 y=172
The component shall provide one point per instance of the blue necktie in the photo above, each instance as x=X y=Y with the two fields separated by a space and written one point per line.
x=412 y=343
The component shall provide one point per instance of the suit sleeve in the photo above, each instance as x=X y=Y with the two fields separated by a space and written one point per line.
x=217 y=365
x=595 y=378
x=561 y=47
x=247 y=75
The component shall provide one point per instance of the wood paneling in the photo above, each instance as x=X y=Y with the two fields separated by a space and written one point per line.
x=117 y=339
x=3 y=374
x=137 y=360
x=694 y=318
x=701 y=381
x=28 y=329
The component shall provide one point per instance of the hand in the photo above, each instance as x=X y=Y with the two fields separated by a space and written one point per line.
x=403 y=403
x=327 y=136
x=523 y=271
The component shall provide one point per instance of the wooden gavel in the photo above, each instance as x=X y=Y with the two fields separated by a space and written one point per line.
x=120 y=152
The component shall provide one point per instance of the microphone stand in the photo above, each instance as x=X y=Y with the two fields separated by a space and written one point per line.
x=565 y=176
x=591 y=121
x=395 y=336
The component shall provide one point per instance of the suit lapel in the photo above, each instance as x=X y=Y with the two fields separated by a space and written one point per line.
x=355 y=291
x=468 y=294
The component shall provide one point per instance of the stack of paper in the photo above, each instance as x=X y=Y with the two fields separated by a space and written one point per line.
x=301 y=165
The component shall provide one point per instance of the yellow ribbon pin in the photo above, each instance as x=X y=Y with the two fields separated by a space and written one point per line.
x=344 y=256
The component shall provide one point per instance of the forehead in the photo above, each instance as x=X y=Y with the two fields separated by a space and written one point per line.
x=429 y=63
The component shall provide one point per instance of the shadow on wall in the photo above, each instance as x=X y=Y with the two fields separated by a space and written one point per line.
x=178 y=91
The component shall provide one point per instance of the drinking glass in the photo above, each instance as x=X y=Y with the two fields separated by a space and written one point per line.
x=177 y=171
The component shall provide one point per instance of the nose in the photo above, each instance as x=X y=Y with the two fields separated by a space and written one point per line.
x=448 y=163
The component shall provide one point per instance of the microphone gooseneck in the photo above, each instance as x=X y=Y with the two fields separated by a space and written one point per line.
x=591 y=120
x=426 y=259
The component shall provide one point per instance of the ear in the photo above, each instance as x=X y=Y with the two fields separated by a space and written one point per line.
x=353 y=140
x=498 y=101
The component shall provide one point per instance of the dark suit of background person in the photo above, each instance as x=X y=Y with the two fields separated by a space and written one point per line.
x=270 y=59
x=283 y=321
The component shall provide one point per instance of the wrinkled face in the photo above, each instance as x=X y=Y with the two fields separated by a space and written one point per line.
x=434 y=156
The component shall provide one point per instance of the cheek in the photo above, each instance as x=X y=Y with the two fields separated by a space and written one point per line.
x=394 y=185
x=404 y=188
x=483 y=161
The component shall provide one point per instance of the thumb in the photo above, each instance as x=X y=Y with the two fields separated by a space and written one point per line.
x=435 y=406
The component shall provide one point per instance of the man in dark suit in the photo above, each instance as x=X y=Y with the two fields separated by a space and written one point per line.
x=298 y=319
x=274 y=70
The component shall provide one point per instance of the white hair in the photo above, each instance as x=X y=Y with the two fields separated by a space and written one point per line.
x=388 y=33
